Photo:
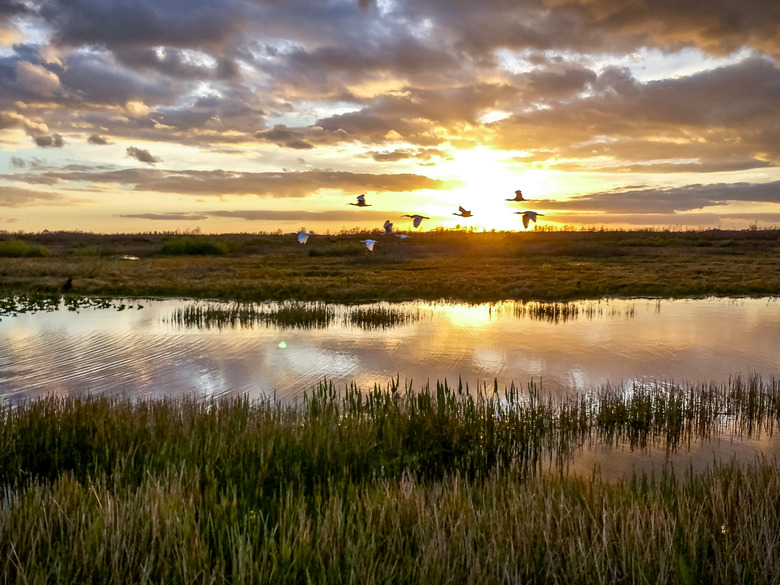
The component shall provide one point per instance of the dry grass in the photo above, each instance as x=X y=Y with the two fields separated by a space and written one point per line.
x=543 y=266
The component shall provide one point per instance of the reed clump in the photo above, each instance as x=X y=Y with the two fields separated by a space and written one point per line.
x=440 y=484
x=247 y=315
x=382 y=316
x=292 y=314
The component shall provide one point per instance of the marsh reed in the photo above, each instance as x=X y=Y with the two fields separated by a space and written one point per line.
x=393 y=484
x=292 y=314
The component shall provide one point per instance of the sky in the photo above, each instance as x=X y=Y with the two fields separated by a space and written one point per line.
x=226 y=116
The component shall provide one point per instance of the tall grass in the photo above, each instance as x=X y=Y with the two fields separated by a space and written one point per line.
x=292 y=314
x=247 y=315
x=440 y=484
x=390 y=485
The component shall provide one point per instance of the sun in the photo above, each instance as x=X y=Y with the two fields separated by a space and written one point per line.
x=488 y=180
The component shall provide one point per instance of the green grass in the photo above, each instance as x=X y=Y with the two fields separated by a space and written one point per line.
x=436 y=485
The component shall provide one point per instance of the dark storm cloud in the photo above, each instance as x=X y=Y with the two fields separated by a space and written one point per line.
x=142 y=155
x=669 y=200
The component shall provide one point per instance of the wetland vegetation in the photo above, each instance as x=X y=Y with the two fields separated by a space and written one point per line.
x=393 y=484
x=473 y=267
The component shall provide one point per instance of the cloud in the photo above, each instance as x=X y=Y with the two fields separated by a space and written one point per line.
x=17 y=162
x=402 y=154
x=97 y=139
x=141 y=23
x=49 y=141
x=269 y=215
x=637 y=92
x=19 y=197
x=668 y=200
x=219 y=182
x=282 y=136
x=141 y=155
x=173 y=216
x=36 y=79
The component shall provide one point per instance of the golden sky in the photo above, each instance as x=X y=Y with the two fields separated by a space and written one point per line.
x=267 y=115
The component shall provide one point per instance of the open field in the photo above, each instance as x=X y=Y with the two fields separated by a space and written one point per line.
x=390 y=485
x=473 y=267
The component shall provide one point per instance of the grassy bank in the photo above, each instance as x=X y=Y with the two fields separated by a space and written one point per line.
x=390 y=485
x=544 y=266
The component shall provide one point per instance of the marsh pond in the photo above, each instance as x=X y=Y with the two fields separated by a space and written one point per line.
x=155 y=348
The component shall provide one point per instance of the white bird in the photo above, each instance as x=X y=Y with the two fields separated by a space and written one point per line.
x=303 y=237
x=416 y=218
x=369 y=244
x=528 y=216
x=463 y=212
x=403 y=236
x=361 y=201
x=518 y=196
x=388 y=228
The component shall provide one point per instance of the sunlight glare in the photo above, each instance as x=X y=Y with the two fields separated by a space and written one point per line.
x=488 y=180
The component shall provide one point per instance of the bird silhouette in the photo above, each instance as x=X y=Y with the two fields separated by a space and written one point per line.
x=388 y=228
x=68 y=285
x=417 y=219
x=369 y=244
x=528 y=216
x=361 y=201
x=303 y=237
x=518 y=196
x=463 y=212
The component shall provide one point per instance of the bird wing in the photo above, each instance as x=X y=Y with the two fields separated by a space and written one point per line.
x=525 y=220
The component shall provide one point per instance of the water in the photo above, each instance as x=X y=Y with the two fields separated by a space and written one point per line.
x=146 y=350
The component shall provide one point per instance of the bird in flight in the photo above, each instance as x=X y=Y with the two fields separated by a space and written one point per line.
x=518 y=196
x=303 y=237
x=388 y=228
x=417 y=219
x=361 y=201
x=528 y=216
x=463 y=212
x=369 y=244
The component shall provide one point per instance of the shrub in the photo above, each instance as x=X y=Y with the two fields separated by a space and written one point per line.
x=189 y=246
x=15 y=248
